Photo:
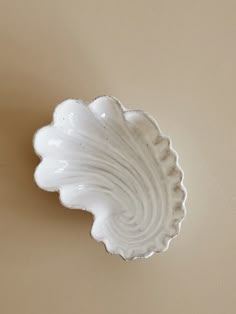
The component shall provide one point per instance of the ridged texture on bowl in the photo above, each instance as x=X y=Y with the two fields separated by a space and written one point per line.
x=116 y=164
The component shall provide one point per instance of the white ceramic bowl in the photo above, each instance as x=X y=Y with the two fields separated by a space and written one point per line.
x=116 y=164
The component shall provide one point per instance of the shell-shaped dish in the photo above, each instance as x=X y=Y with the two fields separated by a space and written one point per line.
x=116 y=164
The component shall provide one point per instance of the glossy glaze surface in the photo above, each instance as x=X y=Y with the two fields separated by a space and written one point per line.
x=116 y=164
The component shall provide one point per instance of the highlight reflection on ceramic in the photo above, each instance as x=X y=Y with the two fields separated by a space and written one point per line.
x=116 y=164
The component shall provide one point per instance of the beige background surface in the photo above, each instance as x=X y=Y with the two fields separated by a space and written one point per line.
x=174 y=59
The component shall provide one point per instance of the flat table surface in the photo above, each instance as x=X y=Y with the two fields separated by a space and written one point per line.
x=173 y=59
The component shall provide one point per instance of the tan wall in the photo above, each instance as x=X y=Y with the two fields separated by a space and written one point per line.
x=174 y=59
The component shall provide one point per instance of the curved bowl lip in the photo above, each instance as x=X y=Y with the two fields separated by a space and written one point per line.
x=155 y=123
